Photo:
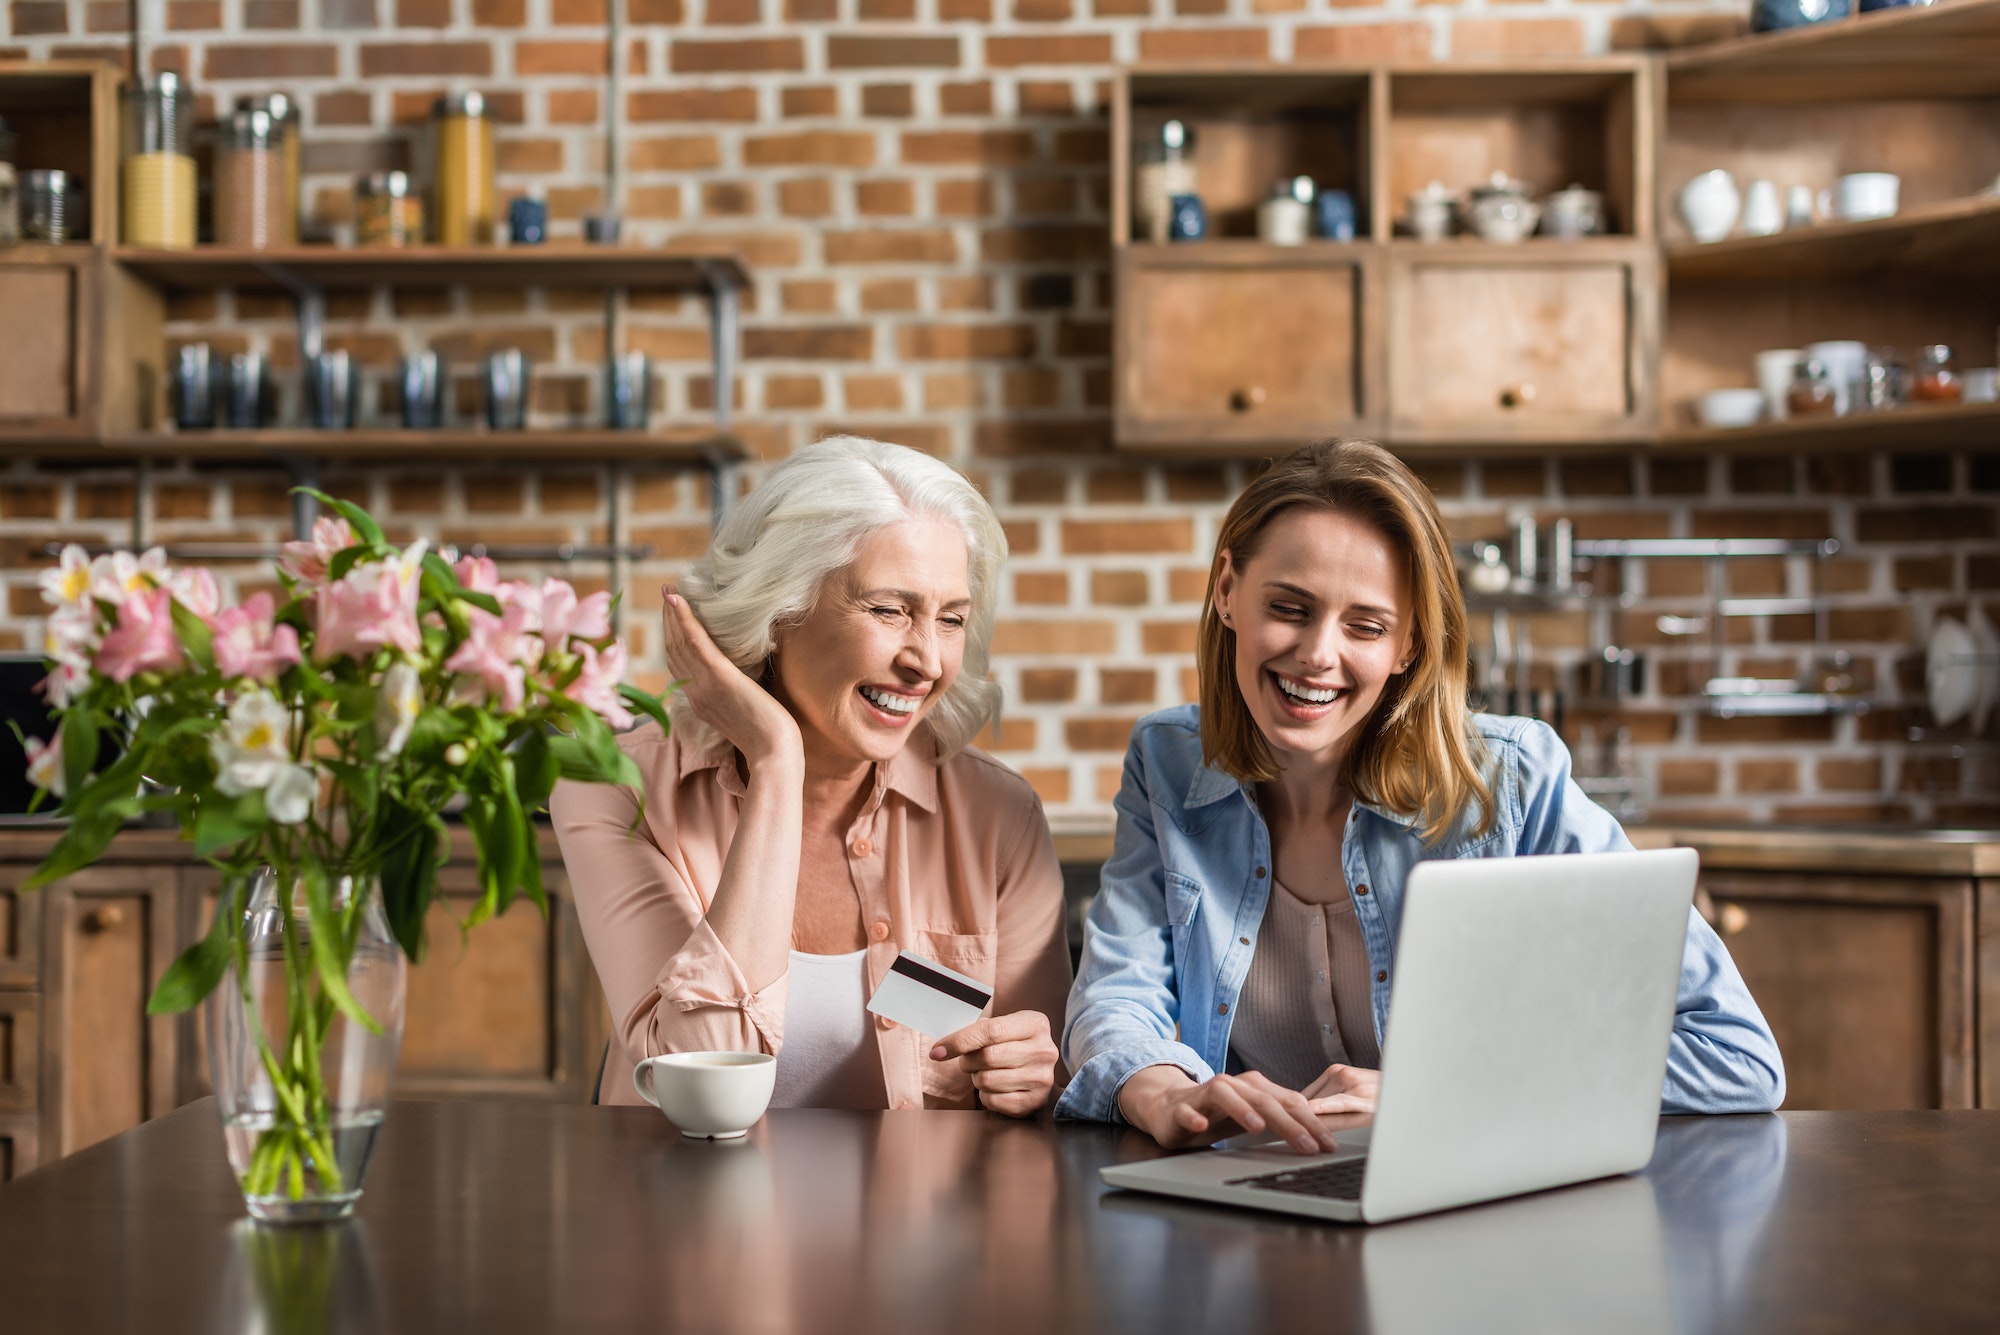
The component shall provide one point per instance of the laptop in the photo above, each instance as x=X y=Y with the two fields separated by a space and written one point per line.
x=1526 y=1049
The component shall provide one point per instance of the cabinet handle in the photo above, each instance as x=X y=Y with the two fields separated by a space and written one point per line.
x=1516 y=395
x=102 y=920
x=1734 y=919
x=1250 y=396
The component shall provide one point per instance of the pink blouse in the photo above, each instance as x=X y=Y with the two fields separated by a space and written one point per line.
x=952 y=860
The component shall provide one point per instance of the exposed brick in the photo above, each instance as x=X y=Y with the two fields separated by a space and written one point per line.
x=811 y=11
x=810 y=148
x=966 y=99
x=1767 y=776
x=1047 y=292
x=291 y=61
x=1516 y=37
x=653 y=201
x=513 y=13
x=533 y=58
x=1802 y=523
x=728 y=199
x=1044 y=686
x=806 y=197
x=1658 y=32
x=104 y=500
x=1042 y=436
x=1118 y=588
x=731 y=12
x=530 y=156
x=1043 y=11
x=965 y=292
x=402 y=58
x=1050 y=785
x=1007 y=734
x=1044 y=98
x=848 y=343
x=964 y=198
x=945 y=391
x=902 y=52
x=200 y=15
x=1039 y=486
x=1053 y=639
x=1187 y=584
x=1098 y=734
x=1050 y=243
x=965 y=11
x=872 y=393
x=1925 y=523
x=793 y=391
x=1776 y=729
x=1075 y=48
x=1100 y=537
x=1031 y=387
x=886 y=11
x=888 y=100
x=1840 y=475
x=350 y=107
x=913 y=245
x=1041 y=588
x=27 y=501
x=1127 y=686
x=807 y=296
x=116 y=16
x=889 y=294
x=696 y=152
x=1115 y=486
x=1849 y=774
x=1514 y=477
x=995 y=148
x=890 y=197
x=1761 y=474
x=1923 y=572
x=962 y=342
x=1168 y=637
x=1677 y=477
x=1205 y=45
x=810 y=100
x=38 y=18
x=707 y=56
x=579 y=13
x=1689 y=778
x=1363 y=41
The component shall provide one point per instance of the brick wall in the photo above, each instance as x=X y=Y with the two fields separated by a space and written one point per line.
x=920 y=187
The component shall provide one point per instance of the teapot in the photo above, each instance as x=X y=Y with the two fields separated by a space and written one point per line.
x=1573 y=213
x=1501 y=210
x=1429 y=218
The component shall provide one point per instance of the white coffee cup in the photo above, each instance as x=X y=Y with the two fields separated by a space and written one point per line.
x=708 y=1095
x=1775 y=368
x=1846 y=362
x=1763 y=214
x=1858 y=196
x=1710 y=203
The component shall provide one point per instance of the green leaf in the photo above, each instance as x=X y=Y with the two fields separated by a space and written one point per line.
x=225 y=820
x=201 y=966
x=194 y=635
x=80 y=742
x=330 y=947
x=409 y=872
x=652 y=706
x=440 y=569
x=81 y=844
x=358 y=519
x=535 y=771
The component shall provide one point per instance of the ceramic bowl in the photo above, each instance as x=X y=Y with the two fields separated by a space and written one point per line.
x=1730 y=407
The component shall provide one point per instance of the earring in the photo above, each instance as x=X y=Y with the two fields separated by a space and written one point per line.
x=1224 y=616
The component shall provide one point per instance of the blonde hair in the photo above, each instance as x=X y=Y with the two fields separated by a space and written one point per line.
x=1417 y=754
x=766 y=565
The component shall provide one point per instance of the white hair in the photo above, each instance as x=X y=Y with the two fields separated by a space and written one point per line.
x=808 y=519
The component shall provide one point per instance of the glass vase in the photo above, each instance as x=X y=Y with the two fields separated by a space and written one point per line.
x=301 y=1082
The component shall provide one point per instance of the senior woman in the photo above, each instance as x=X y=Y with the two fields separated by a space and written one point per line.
x=1236 y=962
x=816 y=808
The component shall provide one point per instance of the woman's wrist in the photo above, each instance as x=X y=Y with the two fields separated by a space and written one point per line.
x=1145 y=1093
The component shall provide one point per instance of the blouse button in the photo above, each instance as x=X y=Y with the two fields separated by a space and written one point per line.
x=905 y=1106
x=884 y=1022
x=1360 y=889
x=862 y=848
x=878 y=931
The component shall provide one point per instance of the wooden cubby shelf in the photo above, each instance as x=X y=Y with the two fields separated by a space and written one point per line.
x=701 y=445
x=551 y=265
x=1917 y=427
x=1959 y=237
x=1920 y=51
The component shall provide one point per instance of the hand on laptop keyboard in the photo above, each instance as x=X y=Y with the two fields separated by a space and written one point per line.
x=1165 y=1103
x=1344 y=1089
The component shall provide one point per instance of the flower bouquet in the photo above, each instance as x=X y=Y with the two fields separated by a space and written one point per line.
x=308 y=745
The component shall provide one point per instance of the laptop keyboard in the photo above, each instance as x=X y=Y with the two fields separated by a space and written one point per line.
x=1340 y=1181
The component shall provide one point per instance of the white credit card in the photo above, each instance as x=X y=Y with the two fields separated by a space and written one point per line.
x=928 y=997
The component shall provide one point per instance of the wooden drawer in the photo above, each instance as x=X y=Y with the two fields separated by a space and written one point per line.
x=1535 y=342
x=20 y=928
x=1242 y=343
x=20 y=1052
x=44 y=365
x=20 y=1140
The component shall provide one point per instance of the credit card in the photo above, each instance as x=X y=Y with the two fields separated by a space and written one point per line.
x=928 y=997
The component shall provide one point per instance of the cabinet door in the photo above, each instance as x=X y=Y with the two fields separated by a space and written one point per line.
x=1511 y=343
x=41 y=366
x=1866 y=982
x=1227 y=342
x=20 y=928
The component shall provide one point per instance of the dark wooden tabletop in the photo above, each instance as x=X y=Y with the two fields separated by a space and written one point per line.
x=519 y=1217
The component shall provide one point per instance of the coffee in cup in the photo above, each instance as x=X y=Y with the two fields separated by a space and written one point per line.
x=708 y=1095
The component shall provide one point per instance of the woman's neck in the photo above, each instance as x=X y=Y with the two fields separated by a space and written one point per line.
x=1305 y=790
x=834 y=790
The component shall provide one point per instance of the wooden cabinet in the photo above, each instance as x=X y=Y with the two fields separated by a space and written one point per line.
x=1511 y=343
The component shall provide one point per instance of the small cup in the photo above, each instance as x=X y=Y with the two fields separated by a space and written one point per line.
x=628 y=392
x=528 y=220
x=1982 y=385
x=708 y=1095
x=330 y=391
x=1337 y=217
x=421 y=377
x=506 y=384
x=1187 y=218
x=1859 y=196
x=194 y=388
x=248 y=401
x=1775 y=369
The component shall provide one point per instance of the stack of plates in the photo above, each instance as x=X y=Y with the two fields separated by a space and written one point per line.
x=1962 y=670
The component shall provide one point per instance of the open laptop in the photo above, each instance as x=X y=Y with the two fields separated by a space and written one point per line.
x=1527 y=1045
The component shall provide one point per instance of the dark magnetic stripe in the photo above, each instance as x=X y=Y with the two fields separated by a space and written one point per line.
x=951 y=987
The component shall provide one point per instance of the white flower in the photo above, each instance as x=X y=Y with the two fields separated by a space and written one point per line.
x=45 y=765
x=289 y=799
x=65 y=682
x=68 y=585
x=254 y=749
x=70 y=635
x=120 y=574
x=397 y=707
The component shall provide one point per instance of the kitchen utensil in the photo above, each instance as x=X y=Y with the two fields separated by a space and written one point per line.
x=330 y=391
x=708 y=1095
x=1799 y=206
x=1730 y=407
x=1527 y=555
x=1771 y=15
x=1859 y=196
x=1775 y=368
x=421 y=378
x=1488 y=572
x=1522 y=698
x=1337 y=216
x=1762 y=213
x=1496 y=667
x=1951 y=671
x=628 y=392
x=248 y=401
x=1430 y=212
x=1710 y=204
x=505 y=381
x=193 y=388
x=1846 y=362
x=1573 y=212
x=1165 y=169
x=1501 y=210
x=1562 y=556
x=601 y=229
x=1285 y=216
x=1982 y=384
x=1621 y=674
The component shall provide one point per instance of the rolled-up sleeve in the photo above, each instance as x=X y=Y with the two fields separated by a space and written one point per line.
x=1124 y=1011
x=671 y=984
x=1032 y=973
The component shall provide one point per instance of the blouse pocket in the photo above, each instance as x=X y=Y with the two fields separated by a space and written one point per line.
x=975 y=954
x=1183 y=901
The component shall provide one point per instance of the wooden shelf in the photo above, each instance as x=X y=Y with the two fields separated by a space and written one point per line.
x=1950 y=49
x=677 y=445
x=1944 y=426
x=552 y=265
x=1958 y=238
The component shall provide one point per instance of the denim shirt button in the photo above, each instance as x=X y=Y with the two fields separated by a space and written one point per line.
x=1222 y=1008
x=1360 y=889
x=1260 y=873
x=1382 y=976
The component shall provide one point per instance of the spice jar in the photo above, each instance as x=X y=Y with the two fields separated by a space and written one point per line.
x=1811 y=394
x=250 y=208
x=386 y=213
x=159 y=179
x=465 y=209
x=46 y=206
x=284 y=114
x=10 y=191
x=1166 y=171
x=1285 y=217
x=1936 y=379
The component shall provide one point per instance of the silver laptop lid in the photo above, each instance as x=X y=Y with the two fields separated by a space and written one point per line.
x=1528 y=1040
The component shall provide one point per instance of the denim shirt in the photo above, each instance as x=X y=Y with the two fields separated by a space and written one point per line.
x=1170 y=937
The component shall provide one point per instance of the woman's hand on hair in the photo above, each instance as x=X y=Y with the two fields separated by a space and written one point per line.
x=1011 y=1059
x=722 y=695
x=1166 y=1104
x=1344 y=1089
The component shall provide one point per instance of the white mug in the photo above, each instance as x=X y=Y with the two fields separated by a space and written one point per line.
x=1799 y=206
x=1775 y=368
x=1846 y=362
x=1858 y=196
x=1710 y=204
x=708 y=1095
x=1762 y=213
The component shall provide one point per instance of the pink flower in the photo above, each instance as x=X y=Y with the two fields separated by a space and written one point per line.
x=478 y=573
x=70 y=635
x=45 y=765
x=564 y=616
x=143 y=640
x=374 y=606
x=308 y=561
x=596 y=685
x=194 y=588
x=495 y=657
x=65 y=682
x=116 y=576
x=248 y=644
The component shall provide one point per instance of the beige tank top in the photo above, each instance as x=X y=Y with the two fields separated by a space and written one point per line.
x=1307 y=1003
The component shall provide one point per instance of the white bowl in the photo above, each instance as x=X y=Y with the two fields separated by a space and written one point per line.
x=1730 y=407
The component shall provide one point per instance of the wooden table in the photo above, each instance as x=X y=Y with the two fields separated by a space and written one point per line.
x=511 y=1216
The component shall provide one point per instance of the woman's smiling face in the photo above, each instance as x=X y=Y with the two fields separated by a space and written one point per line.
x=883 y=643
x=1321 y=612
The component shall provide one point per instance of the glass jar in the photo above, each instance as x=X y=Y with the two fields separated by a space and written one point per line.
x=465 y=211
x=1936 y=379
x=250 y=208
x=46 y=201
x=284 y=114
x=386 y=212
x=1812 y=393
x=158 y=172
x=1164 y=170
x=1285 y=216
x=10 y=190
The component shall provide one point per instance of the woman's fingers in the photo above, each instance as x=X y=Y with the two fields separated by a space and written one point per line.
x=1279 y=1111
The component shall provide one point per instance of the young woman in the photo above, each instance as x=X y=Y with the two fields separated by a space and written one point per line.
x=816 y=808
x=1237 y=961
